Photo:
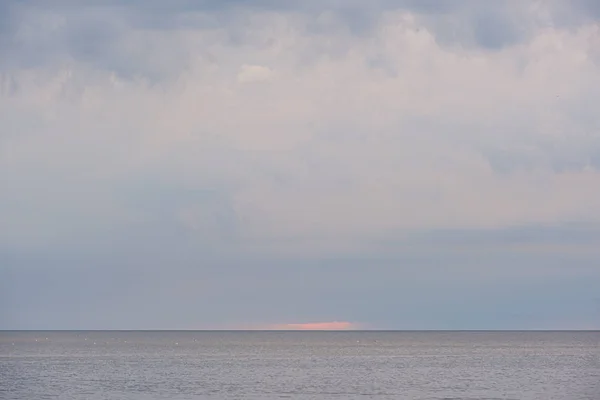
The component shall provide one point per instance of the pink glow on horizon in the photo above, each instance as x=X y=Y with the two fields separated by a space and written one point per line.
x=316 y=326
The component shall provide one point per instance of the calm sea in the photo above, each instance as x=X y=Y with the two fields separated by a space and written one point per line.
x=299 y=365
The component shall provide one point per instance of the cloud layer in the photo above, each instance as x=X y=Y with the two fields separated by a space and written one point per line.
x=239 y=128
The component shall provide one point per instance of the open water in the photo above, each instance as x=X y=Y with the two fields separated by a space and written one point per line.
x=299 y=365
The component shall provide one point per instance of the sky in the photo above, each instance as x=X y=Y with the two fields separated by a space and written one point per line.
x=308 y=164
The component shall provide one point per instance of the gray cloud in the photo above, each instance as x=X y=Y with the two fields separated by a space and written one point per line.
x=546 y=238
x=560 y=155
x=109 y=34
x=405 y=292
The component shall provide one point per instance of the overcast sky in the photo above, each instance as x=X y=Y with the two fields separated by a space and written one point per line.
x=412 y=164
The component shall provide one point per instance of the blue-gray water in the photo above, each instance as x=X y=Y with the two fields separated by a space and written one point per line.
x=299 y=365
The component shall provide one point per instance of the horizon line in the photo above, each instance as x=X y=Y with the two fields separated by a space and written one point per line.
x=300 y=330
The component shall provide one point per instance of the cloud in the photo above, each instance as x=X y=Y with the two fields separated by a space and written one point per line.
x=169 y=287
x=253 y=73
x=145 y=38
x=356 y=138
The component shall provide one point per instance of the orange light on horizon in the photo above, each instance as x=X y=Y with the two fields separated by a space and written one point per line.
x=315 y=326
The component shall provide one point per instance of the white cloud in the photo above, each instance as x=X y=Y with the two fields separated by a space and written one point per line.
x=358 y=137
x=253 y=73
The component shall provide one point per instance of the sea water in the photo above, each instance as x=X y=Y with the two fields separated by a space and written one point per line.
x=299 y=365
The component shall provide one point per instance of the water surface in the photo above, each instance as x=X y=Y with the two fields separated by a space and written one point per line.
x=299 y=365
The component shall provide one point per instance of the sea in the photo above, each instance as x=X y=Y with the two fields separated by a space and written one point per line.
x=144 y=365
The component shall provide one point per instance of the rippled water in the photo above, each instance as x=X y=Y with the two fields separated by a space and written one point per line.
x=302 y=365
